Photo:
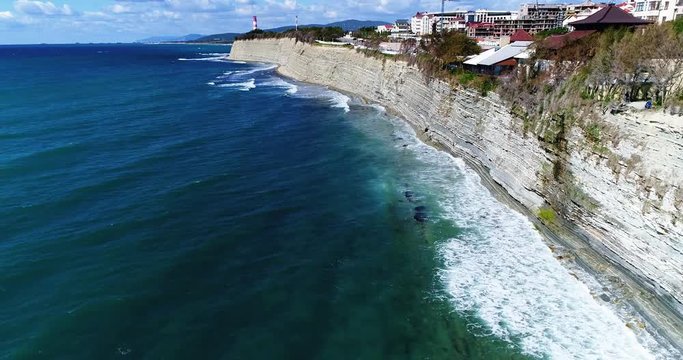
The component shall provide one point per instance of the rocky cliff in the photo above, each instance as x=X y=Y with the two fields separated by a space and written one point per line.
x=618 y=211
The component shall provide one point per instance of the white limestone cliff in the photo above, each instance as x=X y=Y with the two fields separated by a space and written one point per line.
x=633 y=217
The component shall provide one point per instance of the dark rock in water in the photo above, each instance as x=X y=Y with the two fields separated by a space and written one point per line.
x=409 y=194
x=605 y=298
x=420 y=217
x=420 y=213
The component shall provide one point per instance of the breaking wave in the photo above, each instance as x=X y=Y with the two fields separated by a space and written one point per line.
x=278 y=82
x=500 y=271
x=336 y=99
x=242 y=86
x=223 y=59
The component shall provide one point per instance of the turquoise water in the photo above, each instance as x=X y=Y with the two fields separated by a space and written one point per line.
x=159 y=202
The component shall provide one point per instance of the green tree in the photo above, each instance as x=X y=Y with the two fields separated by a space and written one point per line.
x=451 y=46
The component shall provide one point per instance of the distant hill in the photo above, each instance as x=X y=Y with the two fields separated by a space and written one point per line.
x=347 y=25
x=159 y=39
x=353 y=25
x=217 y=38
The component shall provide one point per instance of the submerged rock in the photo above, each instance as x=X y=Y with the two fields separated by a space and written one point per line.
x=420 y=213
x=420 y=217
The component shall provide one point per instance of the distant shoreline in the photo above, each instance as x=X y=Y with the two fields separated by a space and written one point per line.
x=189 y=43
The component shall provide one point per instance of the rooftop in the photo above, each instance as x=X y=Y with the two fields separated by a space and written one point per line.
x=493 y=56
x=610 y=15
x=521 y=35
x=559 y=41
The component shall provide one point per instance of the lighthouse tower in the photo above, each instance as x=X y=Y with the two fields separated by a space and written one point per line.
x=255 y=23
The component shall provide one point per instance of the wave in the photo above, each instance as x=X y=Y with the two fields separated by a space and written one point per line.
x=255 y=70
x=500 y=271
x=222 y=59
x=278 y=82
x=243 y=86
x=225 y=75
x=336 y=99
x=340 y=100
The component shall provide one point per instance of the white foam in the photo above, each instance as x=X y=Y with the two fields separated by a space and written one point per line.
x=281 y=83
x=222 y=58
x=255 y=70
x=225 y=75
x=500 y=269
x=339 y=100
x=242 y=86
x=214 y=54
x=336 y=99
x=378 y=107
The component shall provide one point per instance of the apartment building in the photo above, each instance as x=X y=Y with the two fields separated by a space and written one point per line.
x=657 y=10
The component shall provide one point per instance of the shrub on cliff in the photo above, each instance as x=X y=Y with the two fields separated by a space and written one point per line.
x=450 y=47
x=556 y=31
x=599 y=71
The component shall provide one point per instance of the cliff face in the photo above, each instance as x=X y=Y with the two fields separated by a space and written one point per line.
x=625 y=193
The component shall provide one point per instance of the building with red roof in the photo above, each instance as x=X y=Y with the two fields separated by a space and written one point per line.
x=609 y=16
x=521 y=35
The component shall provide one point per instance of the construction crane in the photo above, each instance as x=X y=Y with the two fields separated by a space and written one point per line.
x=443 y=10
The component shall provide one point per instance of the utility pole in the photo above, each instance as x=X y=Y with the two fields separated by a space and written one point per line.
x=443 y=9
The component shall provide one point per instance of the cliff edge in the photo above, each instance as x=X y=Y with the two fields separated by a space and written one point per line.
x=624 y=214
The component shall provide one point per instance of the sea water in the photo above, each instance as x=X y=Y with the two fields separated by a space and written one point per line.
x=162 y=202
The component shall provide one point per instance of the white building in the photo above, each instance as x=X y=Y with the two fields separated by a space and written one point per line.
x=576 y=12
x=385 y=28
x=421 y=23
x=492 y=16
x=657 y=10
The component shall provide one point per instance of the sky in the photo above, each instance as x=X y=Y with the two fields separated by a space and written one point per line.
x=70 y=21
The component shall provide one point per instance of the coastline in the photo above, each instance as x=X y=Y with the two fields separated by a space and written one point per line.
x=656 y=315
x=569 y=246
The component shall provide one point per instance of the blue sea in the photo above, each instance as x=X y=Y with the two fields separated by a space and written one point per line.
x=162 y=202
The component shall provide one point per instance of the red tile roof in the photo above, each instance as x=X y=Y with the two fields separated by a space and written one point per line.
x=559 y=41
x=521 y=35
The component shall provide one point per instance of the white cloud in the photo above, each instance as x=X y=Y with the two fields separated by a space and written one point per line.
x=126 y=20
x=199 y=5
x=120 y=9
x=30 y=7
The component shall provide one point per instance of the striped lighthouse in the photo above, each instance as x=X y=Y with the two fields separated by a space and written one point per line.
x=255 y=23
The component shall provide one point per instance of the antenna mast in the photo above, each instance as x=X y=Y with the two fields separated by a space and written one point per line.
x=443 y=10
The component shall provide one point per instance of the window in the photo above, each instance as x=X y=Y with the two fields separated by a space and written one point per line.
x=666 y=5
x=640 y=6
